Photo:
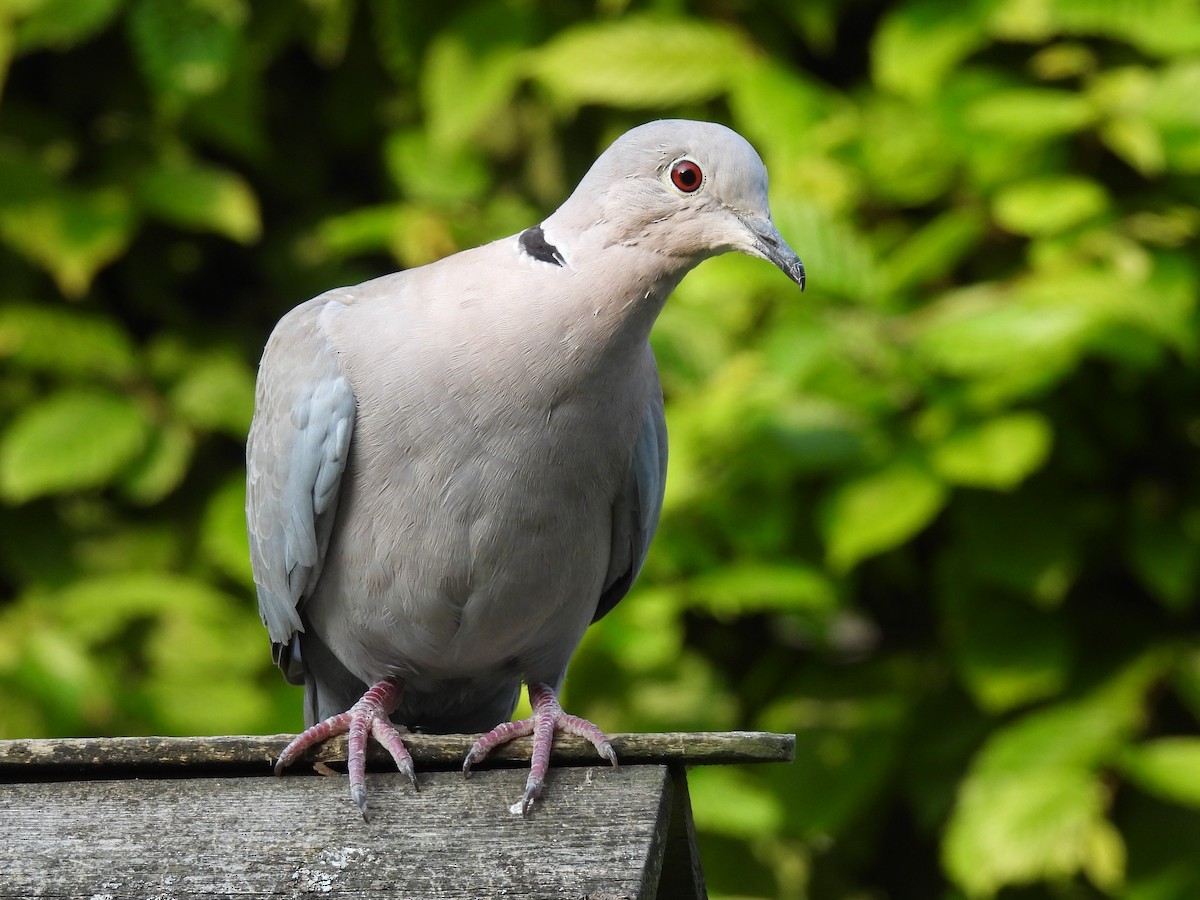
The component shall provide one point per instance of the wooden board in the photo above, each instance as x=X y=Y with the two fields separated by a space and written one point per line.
x=168 y=817
x=250 y=754
x=599 y=833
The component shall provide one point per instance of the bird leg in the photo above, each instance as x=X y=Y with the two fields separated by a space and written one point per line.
x=369 y=714
x=548 y=717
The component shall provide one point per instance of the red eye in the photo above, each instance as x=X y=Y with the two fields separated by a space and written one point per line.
x=686 y=176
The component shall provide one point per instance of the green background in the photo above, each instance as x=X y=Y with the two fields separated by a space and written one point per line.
x=938 y=515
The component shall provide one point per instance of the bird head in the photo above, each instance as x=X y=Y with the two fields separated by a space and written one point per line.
x=684 y=190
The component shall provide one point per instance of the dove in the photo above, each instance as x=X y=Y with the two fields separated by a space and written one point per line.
x=453 y=470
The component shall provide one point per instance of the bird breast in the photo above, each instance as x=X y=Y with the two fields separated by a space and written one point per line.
x=474 y=523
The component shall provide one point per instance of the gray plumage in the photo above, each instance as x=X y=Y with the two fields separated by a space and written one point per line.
x=454 y=470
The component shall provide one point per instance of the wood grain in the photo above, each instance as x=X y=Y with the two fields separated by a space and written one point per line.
x=165 y=817
x=599 y=833
x=69 y=757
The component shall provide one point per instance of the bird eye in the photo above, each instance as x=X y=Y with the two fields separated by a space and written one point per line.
x=686 y=176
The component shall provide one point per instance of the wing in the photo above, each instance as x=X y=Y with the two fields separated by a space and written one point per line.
x=295 y=457
x=637 y=507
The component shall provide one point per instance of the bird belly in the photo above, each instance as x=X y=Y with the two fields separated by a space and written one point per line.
x=482 y=563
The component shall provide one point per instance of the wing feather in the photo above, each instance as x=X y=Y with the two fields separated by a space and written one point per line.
x=295 y=457
x=638 y=506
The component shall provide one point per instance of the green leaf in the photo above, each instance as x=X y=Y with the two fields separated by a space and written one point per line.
x=1008 y=653
x=412 y=233
x=1033 y=805
x=154 y=545
x=639 y=62
x=471 y=70
x=918 y=45
x=645 y=632
x=1042 y=825
x=433 y=174
x=334 y=25
x=1185 y=680
x=1170 y=110
x=945 y=730
x=71 y=234
x=1083 y=733
x=162 y=466
x=729 y=801
x=1158 y=297
x=1137 y=142
x=1125 y=95
x=832 y=247
x=54 y=339
x=1166 y=767
x=1064 y=60
x=849 y=730
x=934 y=250
x=185 y=47
x=906 y=151
x=1025 y=543
x=463 y=88
x=216 y=394
x=201 y=197
x=1015 y=349
x=179 y=626
x=223 y=536
x=1049 y=206
x=1158 y=27
x=1165 y=559
x=750 y=587
x=362 y=230
x=63 y=23
x=777 y=106
x=878 y=511
x=814 y=435
x=69 y=441
x=1031 y=114
x=999 y=453
x=1162 y=849
x=393 y=26
x=25 y=177
x=66 y=681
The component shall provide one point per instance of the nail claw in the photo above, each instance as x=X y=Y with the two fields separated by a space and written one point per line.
x=358 y=793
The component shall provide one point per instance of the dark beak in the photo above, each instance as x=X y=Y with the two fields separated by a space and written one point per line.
x=769 y=244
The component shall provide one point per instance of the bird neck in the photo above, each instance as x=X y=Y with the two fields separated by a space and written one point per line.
x=622 y=276
x=619 y=299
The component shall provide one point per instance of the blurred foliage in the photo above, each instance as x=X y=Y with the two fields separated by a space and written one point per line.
x=939 y=516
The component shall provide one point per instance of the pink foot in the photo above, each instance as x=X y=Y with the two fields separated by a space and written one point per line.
x=368 y=714
x=548 y=717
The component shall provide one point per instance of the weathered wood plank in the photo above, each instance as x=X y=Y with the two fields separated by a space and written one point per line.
x=20 y=759
x=600 y=833
x=682 y=875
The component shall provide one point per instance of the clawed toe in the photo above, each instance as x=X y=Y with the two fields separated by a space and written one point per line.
x=548 y=717
x=368 y=716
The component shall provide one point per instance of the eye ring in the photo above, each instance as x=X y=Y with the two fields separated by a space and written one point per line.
x=687 y=176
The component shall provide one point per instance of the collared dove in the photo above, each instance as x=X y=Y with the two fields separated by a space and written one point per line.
x=453 y=470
